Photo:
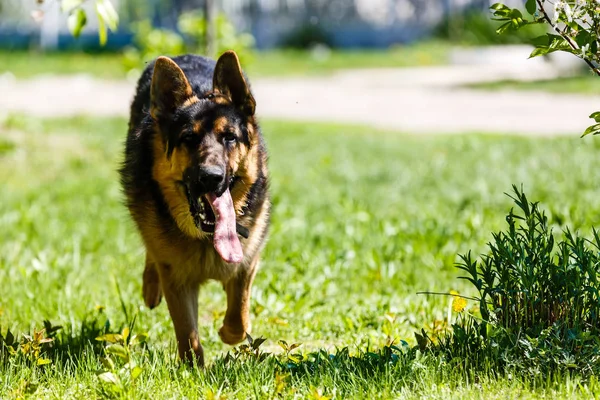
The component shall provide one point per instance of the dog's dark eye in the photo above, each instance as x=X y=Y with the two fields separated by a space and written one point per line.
x=189 y=138
x=229 y=138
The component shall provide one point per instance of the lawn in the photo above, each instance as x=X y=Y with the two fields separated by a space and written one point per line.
x=25 y=64
x=362 y=221
x=582 y=84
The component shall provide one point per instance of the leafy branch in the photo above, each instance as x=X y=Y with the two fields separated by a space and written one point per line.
x=571 y=42
x=108 y=19
x=576 y=26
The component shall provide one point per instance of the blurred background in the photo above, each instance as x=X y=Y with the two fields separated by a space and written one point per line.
x=272 y=23
x=423 y=51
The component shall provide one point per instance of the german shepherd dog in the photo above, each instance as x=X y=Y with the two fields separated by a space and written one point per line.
x=195 y=181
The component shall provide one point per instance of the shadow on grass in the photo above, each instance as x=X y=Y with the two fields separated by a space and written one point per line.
x=76 y=349
x=58 y=343
x=342 y=363
x=73 y=342
x=364 y=363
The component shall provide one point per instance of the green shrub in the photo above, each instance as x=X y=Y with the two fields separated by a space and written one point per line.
x=476 y=28
x=150 y=42
x=539 y=299
x=193 y=26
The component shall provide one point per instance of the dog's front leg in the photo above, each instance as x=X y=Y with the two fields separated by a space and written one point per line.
x=182 y=300
x=237 y=318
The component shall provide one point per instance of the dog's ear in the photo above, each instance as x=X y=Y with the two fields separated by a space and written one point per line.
x=170 y=88
x=229 y=81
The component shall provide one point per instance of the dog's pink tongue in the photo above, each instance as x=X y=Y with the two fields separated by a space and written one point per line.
x=225 y=237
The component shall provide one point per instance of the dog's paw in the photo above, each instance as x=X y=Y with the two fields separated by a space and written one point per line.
x=230 y=336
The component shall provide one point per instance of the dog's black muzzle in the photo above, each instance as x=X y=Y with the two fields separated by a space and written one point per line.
x=206 y=179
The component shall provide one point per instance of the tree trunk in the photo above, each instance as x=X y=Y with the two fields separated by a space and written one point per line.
x=210 y=39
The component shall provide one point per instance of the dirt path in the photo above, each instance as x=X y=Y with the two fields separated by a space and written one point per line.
x=416 y=100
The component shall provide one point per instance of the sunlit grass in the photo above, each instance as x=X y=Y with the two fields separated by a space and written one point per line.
x=362 y=221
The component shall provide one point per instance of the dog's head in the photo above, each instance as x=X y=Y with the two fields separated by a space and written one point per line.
x=209 y=147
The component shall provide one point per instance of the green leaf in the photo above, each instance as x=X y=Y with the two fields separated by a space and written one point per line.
x=540 y=41
x=110 y=338
x=135 y=372
x=503 y=28
x=9 y=339
x=499 y=6
x=295 y=358
x=102 y=35
x=500 y=10
x=43 y=361
x=531 y=6
x=515 y=14
x=257 y=342
x=107 y=363
x=540 y=51
x=118 y=351
x=139 y=338
x=109 y=377
x=76 y=22
x=295 y=345
x=556 y=43
x=594 y=130
x=560 y=44
x=125 y=334
x=107 y=13
x=583 y=38
x=502 y=13
x=596 y=116
x=283 y=344
x=422 y=339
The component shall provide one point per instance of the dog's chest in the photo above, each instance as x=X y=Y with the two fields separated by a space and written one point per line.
x=196 y=261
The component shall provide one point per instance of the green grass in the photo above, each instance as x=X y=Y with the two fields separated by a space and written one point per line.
x=584 y=84
x=362 y=221
x=269 y=63
x=27 y=64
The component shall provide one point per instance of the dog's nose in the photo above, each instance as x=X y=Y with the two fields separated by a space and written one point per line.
x=211 y=177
